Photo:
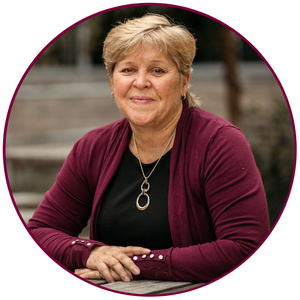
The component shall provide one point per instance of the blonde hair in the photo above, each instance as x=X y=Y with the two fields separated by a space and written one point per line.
x=172 y=40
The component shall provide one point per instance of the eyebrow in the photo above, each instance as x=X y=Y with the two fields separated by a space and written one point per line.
x=151 y=61
x=156 y=60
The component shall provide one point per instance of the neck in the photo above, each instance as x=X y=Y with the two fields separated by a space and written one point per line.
x=151 y=142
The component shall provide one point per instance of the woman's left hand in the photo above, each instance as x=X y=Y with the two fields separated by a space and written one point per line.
x=86 y=273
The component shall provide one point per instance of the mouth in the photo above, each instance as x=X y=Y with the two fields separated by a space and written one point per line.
x=141 y=99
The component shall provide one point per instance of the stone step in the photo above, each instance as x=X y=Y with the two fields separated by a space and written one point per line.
x=27 y=202
x=47 y=137
x=35 y=167
x=34 y=160
x=44 y=152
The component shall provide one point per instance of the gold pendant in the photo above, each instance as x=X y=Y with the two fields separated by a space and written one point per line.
x=143 y=193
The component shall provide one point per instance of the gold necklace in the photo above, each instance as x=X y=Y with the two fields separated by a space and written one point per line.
x=145 y=182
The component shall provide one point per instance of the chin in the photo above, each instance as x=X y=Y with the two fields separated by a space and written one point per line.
x=142 y=121
x=141 y=118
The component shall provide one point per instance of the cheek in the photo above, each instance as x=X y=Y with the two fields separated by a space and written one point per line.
x=121 y=88
x=120 y=85
x=166 y=89
x=172 y=90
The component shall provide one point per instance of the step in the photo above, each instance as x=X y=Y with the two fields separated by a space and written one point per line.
x=27 y=202
x=35 y=167
x=28 y=199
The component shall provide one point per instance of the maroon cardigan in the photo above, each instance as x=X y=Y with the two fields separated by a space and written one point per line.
x=217 y=206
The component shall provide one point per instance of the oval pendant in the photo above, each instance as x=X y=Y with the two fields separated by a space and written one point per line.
x=138 y=204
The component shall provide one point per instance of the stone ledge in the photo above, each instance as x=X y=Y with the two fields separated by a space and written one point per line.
x=28 y=199
x=57 y=151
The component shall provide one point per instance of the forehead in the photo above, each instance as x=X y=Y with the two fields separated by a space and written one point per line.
x=146 y=55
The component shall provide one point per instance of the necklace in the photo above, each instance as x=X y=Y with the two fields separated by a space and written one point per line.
x=145 y=185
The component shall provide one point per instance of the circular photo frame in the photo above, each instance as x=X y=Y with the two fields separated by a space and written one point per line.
x=65 y=93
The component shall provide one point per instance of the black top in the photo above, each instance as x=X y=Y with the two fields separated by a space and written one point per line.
x=120 y=223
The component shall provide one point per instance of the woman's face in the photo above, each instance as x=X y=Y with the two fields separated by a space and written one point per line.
x=148 y=87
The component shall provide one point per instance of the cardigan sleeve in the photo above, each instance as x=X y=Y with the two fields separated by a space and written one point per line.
x=65 y=211
x=235 y=200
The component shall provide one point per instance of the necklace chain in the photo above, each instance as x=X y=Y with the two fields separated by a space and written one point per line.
x=145 y=190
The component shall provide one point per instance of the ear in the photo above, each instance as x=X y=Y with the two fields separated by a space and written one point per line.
x=186 y=82
x=111 y=83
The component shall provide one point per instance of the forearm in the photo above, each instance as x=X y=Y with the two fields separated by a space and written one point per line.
x=198 y=263
x=72 y=252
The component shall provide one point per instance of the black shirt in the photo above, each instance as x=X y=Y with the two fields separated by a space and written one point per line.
x=120 y=223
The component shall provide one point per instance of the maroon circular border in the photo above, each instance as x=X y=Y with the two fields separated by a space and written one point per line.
x=121 y=7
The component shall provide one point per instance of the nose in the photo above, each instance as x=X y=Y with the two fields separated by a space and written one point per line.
x=141 y=80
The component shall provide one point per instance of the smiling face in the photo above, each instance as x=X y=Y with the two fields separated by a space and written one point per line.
x=148 y=87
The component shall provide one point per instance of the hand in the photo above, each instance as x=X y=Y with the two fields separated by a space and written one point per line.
x=86 y=273
x=106 y=259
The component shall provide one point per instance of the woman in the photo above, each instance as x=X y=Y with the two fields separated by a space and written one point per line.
x=173 y=191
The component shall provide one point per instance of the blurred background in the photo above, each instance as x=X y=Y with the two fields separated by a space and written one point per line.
x=66 y=93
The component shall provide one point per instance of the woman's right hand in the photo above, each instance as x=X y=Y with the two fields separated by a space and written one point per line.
x=118 y=259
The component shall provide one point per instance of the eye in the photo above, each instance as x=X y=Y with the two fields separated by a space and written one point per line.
x=158 y=71
x=127 y=70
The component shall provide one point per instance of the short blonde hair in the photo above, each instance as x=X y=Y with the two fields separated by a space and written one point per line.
x=172 y=40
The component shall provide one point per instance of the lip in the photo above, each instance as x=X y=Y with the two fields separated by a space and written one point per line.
x=141 y=99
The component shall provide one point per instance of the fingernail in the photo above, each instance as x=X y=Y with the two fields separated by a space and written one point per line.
x=126 y=278
x=148 y=250
x=136 y=271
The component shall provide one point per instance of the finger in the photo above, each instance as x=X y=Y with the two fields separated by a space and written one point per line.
x=117 y=277
x=127 y=263
x=135 y=250
x=116 y=260
x=82 y=271
x=129 y=273
x=91 y=274
x=118 y=268
x=105 y=271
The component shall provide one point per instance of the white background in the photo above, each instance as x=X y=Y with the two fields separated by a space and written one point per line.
x=271 y=26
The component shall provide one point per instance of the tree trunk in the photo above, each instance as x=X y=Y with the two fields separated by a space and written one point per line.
x=231 y=77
